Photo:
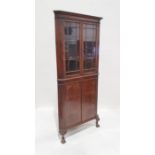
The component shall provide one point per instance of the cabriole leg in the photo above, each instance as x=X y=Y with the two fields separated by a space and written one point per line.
x=97 y=120
x=62 y=133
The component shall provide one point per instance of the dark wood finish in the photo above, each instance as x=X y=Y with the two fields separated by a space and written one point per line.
x=89 y=99
x=72 y=103
x=77 y=51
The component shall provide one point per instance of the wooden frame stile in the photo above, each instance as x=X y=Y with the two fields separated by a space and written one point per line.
x=81 y=63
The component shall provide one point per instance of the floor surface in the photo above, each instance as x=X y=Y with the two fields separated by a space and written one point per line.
x=83 y=140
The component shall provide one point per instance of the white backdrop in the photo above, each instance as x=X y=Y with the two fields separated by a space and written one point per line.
x=17 y=82
x=46 y=84
x=104 y=140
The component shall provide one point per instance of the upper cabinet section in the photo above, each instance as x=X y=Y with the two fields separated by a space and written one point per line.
x=77 y=41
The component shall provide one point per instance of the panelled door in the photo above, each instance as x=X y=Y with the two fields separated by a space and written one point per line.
x=89 y=99
x=72 y=103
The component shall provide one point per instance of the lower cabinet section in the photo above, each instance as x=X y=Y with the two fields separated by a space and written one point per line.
x=77 y=102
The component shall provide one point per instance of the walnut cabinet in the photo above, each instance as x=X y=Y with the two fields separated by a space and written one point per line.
x=77 y=51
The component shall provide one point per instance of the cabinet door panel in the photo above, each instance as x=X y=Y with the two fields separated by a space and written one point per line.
x=72 y=103
x=89 y=46
x=72 y=47
x=89 y=99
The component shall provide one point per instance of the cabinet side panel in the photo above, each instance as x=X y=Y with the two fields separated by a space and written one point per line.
x=71 y=106
x=59 y=53
x=89 y=99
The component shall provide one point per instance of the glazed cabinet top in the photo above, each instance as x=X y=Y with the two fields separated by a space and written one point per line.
x=77 y=44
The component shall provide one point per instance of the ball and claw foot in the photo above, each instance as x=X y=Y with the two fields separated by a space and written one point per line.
x=62 y=133
x=63 y=141
x=97 y=120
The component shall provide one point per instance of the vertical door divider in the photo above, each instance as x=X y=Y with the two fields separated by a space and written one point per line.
x=81 y=61
x=81 y=98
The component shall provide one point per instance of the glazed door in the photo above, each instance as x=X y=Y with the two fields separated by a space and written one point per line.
x=89 y=47
x=80 y=48
x=72 y=47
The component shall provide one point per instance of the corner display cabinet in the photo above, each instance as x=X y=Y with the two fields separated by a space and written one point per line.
x=77 y=50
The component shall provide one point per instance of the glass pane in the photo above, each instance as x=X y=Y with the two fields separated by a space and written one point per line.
x=89 y=46
x=72 y=33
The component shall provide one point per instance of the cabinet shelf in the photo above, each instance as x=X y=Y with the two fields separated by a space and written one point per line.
x=89 y=58
x=72 y=59
x=76 y=71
